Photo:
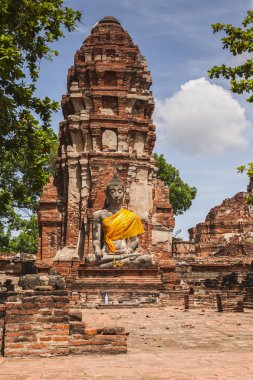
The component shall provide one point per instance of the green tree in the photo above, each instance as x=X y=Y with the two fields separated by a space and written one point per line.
x=27 y=239
x=27 y=29
x=181 y=194
x=249 y=171
x=238 y=40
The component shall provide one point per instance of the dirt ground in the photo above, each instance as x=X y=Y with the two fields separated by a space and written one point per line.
x=163 y=343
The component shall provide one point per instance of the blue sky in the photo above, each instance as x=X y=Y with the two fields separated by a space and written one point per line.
x=201 y=128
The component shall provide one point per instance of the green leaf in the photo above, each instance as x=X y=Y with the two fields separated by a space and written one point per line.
x=27 y=141
x=181 y=194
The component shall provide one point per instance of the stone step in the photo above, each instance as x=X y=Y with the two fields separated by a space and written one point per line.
x=127 y=305
x=122 y=278
x=119 y=272
x=112 y=281
x=248 y=305
x=124 y=287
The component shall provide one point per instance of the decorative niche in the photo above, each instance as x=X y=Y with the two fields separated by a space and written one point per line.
x=110 y=53
x=110 y=78
x=138 y=108
x=109 y=105
x=109 y=141
x=97 y=54
x=139 y=143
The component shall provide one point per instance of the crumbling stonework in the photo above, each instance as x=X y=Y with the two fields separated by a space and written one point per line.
x=31 y=281
x=104 y=340
x=40 y=323
x=216 y=262
x=107 y=128
x=228 y=223
x=37 y=323
x=12 y=266
x=225 y=237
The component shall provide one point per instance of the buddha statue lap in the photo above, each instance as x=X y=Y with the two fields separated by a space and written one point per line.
x=116 y=233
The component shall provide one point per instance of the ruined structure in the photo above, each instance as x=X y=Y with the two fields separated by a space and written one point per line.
x=218 y=259
x=229 y=224
x=107 y=129
x=108 y=126
x=226 y=232
x=108 y=133
x=40 y=323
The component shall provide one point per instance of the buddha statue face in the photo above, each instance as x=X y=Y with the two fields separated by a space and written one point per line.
x=115 y=191
x=115 y=194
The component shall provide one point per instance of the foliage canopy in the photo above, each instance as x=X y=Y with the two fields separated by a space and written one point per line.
x=181 y=194
x=238 y=40
x=27 y=28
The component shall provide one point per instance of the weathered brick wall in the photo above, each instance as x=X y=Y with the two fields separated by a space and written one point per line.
x=67 y=269
x=37 y=323
x=14 y=265
x=50 y=219
x=96 y=340
x=221 y=300
x=183 y=249
x=248 y=298
x=170 y=277
x=162 y=224
x=229 y=222
x=2 y=320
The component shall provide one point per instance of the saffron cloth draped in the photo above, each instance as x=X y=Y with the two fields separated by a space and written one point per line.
x=121 y=225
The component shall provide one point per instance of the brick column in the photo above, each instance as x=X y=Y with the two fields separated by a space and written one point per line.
x=37 y=323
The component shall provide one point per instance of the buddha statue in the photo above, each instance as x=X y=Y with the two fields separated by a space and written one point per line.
x=116 y=232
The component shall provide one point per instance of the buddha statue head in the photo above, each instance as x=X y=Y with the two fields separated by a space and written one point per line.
x=115 y=191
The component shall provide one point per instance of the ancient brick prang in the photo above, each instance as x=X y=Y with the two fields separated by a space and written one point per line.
x=107 y=127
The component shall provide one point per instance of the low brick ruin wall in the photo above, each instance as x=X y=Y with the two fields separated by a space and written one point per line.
x=2 y=320
x=12 y=266
x=37 y=323
x=92 y=340
x=221 y=300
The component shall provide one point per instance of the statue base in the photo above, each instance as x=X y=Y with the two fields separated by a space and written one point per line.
x=117 y=287
x=132 y=260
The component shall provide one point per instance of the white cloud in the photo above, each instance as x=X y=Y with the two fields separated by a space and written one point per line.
x=201 y=118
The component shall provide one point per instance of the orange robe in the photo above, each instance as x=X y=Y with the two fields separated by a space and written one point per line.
x=121 y=225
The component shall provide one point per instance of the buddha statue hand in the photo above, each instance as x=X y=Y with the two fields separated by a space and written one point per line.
x=128 y=250
x=122 y=251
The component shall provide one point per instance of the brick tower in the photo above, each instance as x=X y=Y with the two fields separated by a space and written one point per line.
x=107 y=127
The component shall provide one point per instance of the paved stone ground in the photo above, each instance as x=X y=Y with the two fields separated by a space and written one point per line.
x=164 y=343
